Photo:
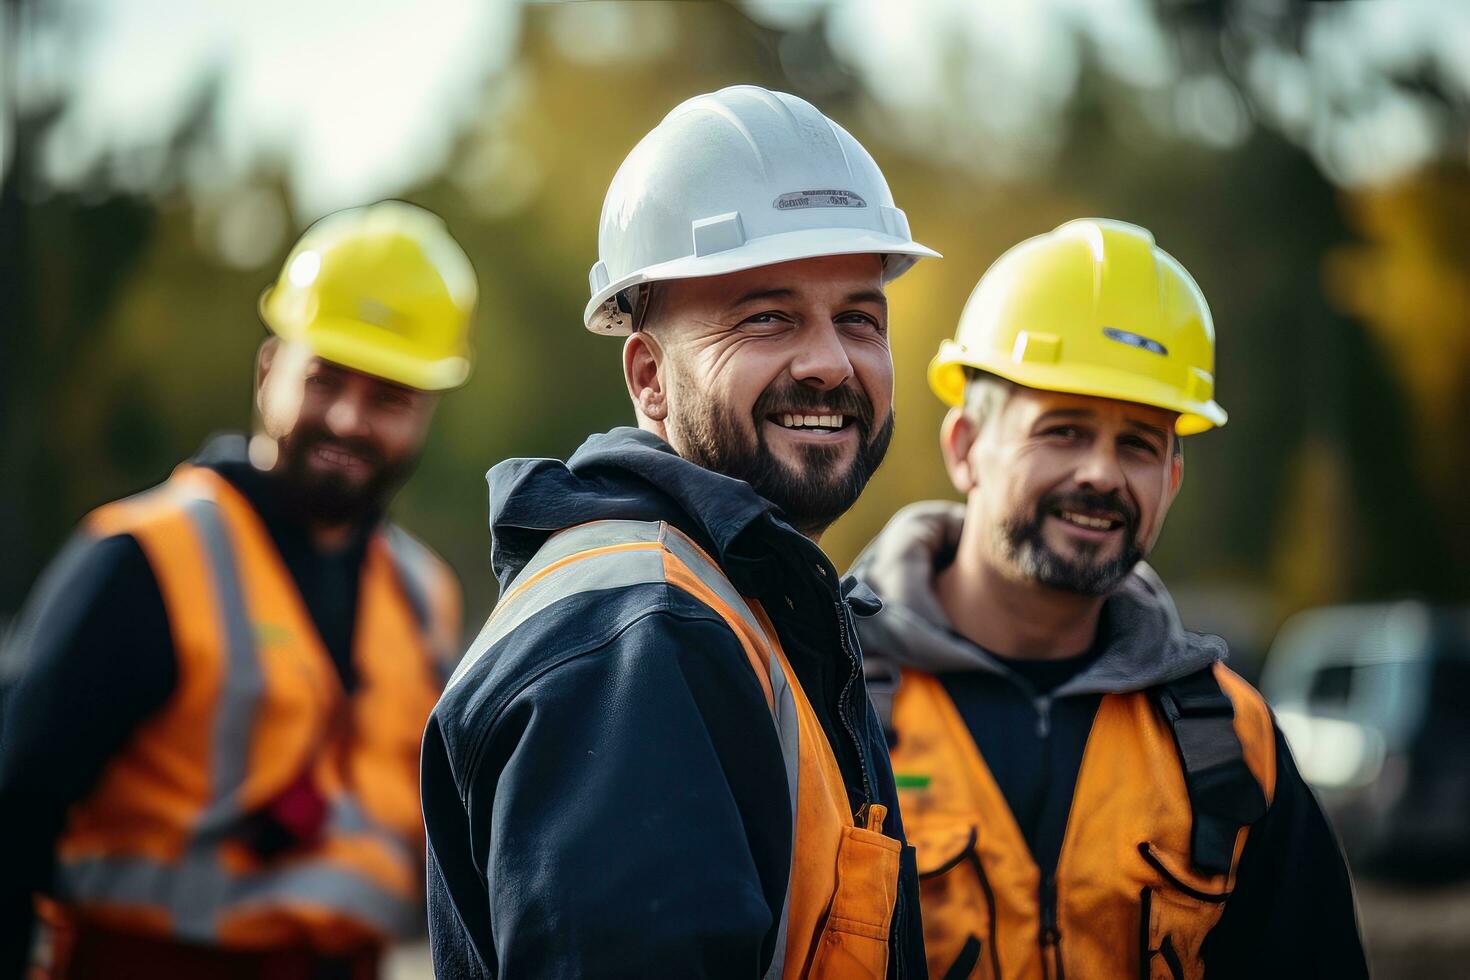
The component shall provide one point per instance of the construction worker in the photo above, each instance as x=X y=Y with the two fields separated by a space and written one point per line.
x=1091 y=791
x=658 y=758
x=209 y=761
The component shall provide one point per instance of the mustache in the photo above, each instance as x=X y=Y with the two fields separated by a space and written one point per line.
x=360 y=447
x=796 y=397
x=1090 y=500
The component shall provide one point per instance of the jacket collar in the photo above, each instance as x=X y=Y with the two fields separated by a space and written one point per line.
x=629 y=474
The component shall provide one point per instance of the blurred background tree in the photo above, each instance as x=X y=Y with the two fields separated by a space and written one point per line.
x=1307 y=163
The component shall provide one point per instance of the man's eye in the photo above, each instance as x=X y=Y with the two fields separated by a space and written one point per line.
x=1063 y=431
x=393 y=399
x=768 y=319
x=1141 y=445
x=862 y=321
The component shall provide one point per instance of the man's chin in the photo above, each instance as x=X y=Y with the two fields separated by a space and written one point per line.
x=332 y=501
x=831 y=464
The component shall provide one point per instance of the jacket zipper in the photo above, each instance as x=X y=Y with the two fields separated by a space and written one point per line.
x=897 y=948
x=1043 y=716
x=1051 y=936
x=844 y=700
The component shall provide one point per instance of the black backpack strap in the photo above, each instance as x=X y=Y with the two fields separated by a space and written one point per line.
x=1223 y=792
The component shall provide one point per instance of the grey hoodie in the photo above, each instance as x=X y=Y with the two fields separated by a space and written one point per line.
x=1291 y=912
x=1145 y=644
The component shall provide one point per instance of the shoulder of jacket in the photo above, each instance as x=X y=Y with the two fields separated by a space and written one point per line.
x=501 y=670
x=138 y=514
x=1254 y=724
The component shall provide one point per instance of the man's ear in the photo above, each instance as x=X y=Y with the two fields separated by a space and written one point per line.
x=265 y=356
x=956 y=439
x=643 y=373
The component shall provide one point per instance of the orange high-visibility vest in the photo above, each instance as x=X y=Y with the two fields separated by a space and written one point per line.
x=844 y=870
x=257 y=708
x=1129 y=900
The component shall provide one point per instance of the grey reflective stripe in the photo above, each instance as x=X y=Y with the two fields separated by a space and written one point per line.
x=198 y=891
x=334 y=887
x=621 y=569
x=789 y=736
x=585 y=537
x=415 y=567
x=616 y=570
x=15 y=644
x=713 y=578
x=242 y=683
x=348 y=817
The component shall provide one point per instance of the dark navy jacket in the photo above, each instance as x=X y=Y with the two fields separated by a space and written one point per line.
x=603 y=790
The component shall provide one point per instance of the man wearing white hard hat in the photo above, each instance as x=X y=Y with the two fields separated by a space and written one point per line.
x=659 y=758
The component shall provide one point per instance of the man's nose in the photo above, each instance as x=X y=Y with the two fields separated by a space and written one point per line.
x=822 y=361
x=348 y=417
x=1100 y=469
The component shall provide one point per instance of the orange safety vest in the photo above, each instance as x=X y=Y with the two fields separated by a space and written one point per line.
x=1130 y=899
x=844 y=871
x=258 y=707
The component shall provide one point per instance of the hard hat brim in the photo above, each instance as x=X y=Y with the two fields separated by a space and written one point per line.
x=385 y=355
x=947 y=381
x=790 y=246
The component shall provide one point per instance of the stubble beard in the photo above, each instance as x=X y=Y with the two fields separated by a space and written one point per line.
x=1087 y=573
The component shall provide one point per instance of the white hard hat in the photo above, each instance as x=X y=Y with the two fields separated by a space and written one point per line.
x=736 y=179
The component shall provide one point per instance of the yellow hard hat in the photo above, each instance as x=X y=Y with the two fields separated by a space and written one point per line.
x=1092 y=308
x=383 y=290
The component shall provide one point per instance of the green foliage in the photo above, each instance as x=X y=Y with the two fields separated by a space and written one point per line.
x=139 y=341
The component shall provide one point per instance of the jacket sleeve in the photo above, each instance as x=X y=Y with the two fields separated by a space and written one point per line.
x=1292 y=911
x=630 y=811
x=90 y=658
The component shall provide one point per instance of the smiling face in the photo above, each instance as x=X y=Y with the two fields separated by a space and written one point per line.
x=1070 y=491
x=780 y=376
x=346 y=441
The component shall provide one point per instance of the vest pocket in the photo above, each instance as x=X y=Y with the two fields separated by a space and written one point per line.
x=957 y=900
x=854 y=940
x=1175 y=916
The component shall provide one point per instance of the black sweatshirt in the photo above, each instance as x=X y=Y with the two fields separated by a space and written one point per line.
x=93 y=645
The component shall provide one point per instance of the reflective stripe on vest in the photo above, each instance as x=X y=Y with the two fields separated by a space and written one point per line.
x=1128 y=897
x=156 y=842
x=837 y=911
x=435 y=602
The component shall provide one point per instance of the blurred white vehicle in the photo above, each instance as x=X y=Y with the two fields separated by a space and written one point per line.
x=1375 y=703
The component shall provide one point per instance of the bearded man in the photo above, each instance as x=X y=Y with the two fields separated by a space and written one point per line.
x=210 y=739
x=658 y=759
x=1091 y=791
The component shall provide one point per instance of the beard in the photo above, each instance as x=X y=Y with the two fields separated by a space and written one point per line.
x=332 y=498
x=812 y=496
x=1087 y=572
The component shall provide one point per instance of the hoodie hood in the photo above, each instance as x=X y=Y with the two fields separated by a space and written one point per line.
x=1144 y=642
